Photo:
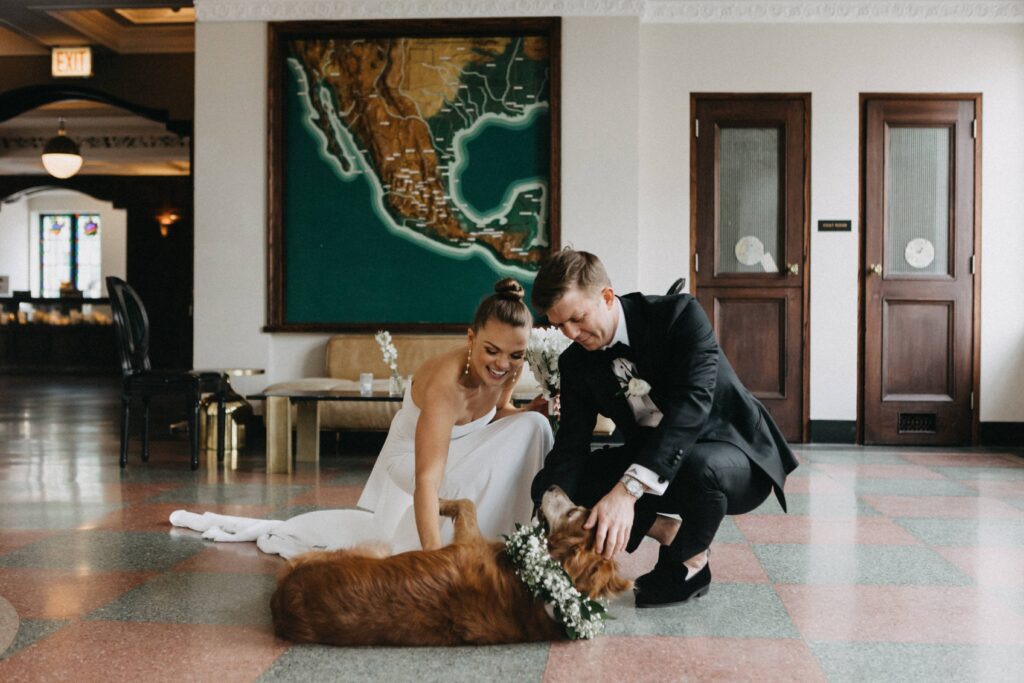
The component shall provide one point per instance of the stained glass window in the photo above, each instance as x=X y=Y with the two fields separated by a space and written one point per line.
x=70 y=254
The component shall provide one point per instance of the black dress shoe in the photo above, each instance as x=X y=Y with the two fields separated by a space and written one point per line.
x=670 y=587
x=665 y=560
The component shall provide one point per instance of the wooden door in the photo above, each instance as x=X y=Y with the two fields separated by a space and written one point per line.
x=750 y=165
x=919 y=269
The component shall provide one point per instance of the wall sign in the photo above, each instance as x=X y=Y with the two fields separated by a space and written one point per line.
x=71 y=62
x=835 y=226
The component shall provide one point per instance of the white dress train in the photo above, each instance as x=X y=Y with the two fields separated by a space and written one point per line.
x=490 y=463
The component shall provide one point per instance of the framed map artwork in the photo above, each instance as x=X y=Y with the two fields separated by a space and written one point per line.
x=412 y=165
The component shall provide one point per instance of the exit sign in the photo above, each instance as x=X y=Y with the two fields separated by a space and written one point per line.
x=71 y=62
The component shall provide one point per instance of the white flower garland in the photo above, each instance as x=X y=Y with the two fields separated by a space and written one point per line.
x=527 y=548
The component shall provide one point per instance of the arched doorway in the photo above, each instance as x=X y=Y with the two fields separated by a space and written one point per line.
x=157 y=198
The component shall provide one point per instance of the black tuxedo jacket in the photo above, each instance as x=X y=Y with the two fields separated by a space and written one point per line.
x=692 y=383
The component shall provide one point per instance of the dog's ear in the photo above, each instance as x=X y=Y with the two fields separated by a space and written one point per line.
x=594 y=575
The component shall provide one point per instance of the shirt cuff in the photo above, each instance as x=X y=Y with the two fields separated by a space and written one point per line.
x=650 y=479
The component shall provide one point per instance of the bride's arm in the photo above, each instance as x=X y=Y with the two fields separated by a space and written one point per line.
x=433 y=436
x=505 y=406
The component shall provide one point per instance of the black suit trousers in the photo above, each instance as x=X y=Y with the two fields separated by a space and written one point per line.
x=715 y=479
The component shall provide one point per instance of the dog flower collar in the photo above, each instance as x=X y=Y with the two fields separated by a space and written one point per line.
x=527 y=548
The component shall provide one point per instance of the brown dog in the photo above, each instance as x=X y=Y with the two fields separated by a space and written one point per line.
x=464 y=593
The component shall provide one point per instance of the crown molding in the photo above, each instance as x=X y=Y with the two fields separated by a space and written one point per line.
x=833 y=11
x=648 y=11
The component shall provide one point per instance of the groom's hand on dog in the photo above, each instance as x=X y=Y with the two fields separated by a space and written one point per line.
x=613 y=516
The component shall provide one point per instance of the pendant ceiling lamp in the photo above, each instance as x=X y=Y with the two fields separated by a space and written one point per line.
x=61 y=158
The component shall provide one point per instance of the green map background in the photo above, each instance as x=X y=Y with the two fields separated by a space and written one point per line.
x=343 y=265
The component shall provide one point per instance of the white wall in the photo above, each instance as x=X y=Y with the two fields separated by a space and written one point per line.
x=14 y=251
x=19 y=243
x=835 y=63
x=625 y=172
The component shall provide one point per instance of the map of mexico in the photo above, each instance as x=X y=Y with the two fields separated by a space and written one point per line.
x=406 y=112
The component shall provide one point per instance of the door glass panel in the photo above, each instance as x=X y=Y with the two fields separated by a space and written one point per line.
x=748 y=201
x=917 y=209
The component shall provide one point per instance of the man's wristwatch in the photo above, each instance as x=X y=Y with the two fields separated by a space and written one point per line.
x=633 y=486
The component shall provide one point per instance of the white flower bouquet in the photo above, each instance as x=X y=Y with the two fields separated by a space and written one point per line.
x=390 y=354
x=546 y=345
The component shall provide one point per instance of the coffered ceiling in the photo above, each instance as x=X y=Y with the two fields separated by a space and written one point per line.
x=32 y=27
x=112 y=141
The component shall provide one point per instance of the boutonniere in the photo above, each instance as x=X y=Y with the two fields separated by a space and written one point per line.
x=633 y=386
x=637 y=387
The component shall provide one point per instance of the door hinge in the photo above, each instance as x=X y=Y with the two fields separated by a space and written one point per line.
x=696 y=128
x=696 y=263
x=974 y=129
x=972 y=264
x=972 y=400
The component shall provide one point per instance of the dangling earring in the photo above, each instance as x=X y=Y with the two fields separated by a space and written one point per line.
x=468 y=354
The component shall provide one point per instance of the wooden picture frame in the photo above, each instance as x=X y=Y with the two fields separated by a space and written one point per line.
x=411 y=165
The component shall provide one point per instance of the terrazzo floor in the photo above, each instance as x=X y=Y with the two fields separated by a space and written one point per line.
x=892 y=565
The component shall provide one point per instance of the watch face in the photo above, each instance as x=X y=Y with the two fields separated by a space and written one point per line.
x=919 y=253
x=749 y=250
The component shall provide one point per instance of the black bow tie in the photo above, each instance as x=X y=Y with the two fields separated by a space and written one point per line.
x=616 y=350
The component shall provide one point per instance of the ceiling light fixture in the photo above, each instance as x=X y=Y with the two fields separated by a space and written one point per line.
x=61 y=157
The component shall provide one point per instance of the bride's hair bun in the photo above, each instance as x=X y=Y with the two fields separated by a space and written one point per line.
x=506 y=305
x=510 y=289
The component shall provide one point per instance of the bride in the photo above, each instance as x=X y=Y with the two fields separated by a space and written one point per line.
x=456 y=435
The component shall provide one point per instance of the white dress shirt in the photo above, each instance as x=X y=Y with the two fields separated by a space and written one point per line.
x=644 y=409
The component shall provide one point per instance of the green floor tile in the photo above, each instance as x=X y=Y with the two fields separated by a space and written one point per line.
x=903 y=662
x=524 y=662
x=858 y=564
x=195 y=598
x=106 y=551
x=728 y=611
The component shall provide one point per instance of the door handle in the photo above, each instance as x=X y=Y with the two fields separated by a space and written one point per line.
x=793 y=268
x=875 y=268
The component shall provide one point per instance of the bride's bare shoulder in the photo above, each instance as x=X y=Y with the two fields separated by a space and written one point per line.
x=437 y=378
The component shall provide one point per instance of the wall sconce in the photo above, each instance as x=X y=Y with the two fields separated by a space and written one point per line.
x=61 y=158
x=166 y=219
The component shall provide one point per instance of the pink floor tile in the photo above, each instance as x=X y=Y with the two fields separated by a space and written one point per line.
x=120 y=651
x=64 y=594
x=875 y=471
x=794 y=529
x=632 y=565
x=135 y=493
x=736 y=563
x=996 y=487
x=329 y=497
x=12 y=539
x=901 y=614
x=656 y=658
x=154 y=516
x=963 y=460
x=943 y=506
x=988 y=566
x=235 y=558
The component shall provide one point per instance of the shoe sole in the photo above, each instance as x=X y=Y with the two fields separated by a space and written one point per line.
x=699 y=594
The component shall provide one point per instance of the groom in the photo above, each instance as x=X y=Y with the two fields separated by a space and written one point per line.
x=697 y=443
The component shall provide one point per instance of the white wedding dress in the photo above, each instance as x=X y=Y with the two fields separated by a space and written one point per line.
x=490 y=463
